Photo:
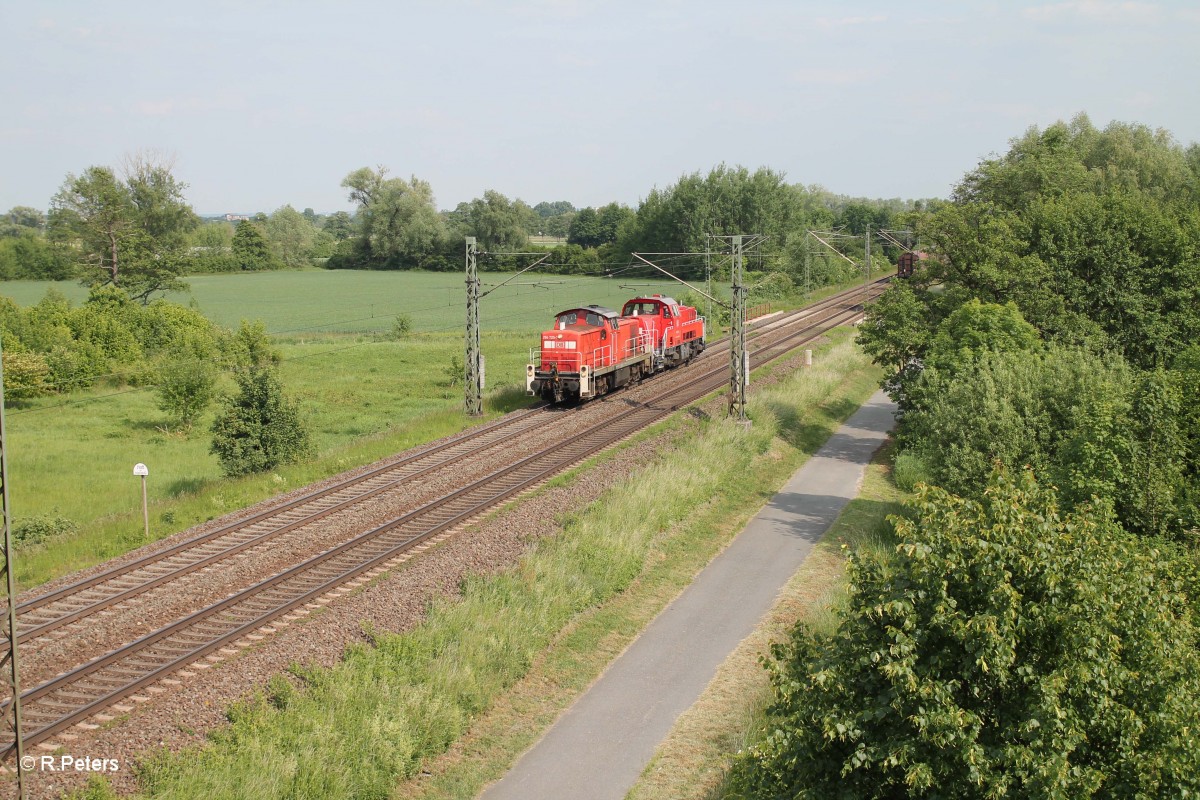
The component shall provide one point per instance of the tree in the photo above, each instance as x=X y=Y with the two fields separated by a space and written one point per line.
x=1018 y=408
x=398 y=225
x=259 y=428
x=96 y=211
x=22 y=221
x=975 y=328
x=592 y=227
x=130 y=233
x=210 y=248
x=546 y=210
x=32 y=256
x=1091 y=233
x=728 y=200
x=1004 y=650
x=251 y=250
x=895 y=333
x=292 y=236
x=339 y=225
x=585 y=228
x=496 y=222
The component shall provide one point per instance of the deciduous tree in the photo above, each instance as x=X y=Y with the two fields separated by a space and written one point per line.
x=129 y=232
x=398 y=225
x=1006 y=650
x=292 y=236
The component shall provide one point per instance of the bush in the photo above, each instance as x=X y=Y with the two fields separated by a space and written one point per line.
x=401 y=327
x=34 y=530
x=251 y=347
x=1003 y=651
x=454 y=371
x=26 y=375
x=772 y=286
x=259 y=428
x=186 y=382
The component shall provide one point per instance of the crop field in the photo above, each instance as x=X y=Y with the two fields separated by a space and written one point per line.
x=365 y=394
x=349 y=301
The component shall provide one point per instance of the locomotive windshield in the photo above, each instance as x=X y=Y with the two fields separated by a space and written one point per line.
x=639 y=308
x=573 y=318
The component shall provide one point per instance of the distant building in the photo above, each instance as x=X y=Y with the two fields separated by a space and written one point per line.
x=236 y=217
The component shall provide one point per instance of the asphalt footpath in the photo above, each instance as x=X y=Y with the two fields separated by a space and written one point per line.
x=598 y=748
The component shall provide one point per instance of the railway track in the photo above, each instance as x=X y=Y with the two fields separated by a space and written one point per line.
x=220 y=628
x=52 y=611
x=48 y=612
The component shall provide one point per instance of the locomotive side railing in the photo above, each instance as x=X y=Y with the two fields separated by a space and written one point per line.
x=569 y=361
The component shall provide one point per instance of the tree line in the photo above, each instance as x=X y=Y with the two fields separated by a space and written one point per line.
x=132 y=227
x=1036 y=631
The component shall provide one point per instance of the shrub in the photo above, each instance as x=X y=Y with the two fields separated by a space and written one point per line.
x=401 y=327
x=1003 y=651
x=259 y=428
x=251 y=346
x=34 y=530
x=26 y=375
x=454 y=371
x=187 y=380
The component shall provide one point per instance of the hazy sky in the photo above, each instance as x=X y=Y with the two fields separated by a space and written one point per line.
x=269 y=103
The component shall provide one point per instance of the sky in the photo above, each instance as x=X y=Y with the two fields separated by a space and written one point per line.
x=263 y=104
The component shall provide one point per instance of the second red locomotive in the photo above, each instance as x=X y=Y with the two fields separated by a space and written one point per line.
x=592 y=350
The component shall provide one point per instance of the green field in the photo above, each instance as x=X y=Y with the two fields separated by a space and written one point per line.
x=349 y=301
x=366 y=397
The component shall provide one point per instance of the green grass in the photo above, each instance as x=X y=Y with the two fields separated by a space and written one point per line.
x=365 y=396
x=356 y=729
x=365 y=399
x=307 y=302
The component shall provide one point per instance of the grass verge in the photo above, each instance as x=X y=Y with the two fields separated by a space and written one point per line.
x=692 y=762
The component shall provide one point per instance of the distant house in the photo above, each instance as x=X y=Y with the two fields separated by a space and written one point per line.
x=236 y=217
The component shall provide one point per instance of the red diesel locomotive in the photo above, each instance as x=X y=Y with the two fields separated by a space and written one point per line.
x=592 y=350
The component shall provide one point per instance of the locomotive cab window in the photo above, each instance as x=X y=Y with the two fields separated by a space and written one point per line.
x=593 y=319
x=638 y=309
x=568 y=319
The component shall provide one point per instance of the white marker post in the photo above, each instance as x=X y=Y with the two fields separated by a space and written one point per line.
x=141 y=470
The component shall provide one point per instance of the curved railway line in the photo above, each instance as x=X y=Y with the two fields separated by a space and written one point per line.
x=220 y=628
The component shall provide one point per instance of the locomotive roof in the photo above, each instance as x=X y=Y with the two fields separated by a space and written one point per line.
x=607 y=313
x=662 y=298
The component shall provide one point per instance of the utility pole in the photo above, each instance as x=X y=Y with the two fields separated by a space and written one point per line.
x=807 y=265
x=12 y=674
x=739 y=358
x=867 y=263
x=708 y=277
x=471 y=383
